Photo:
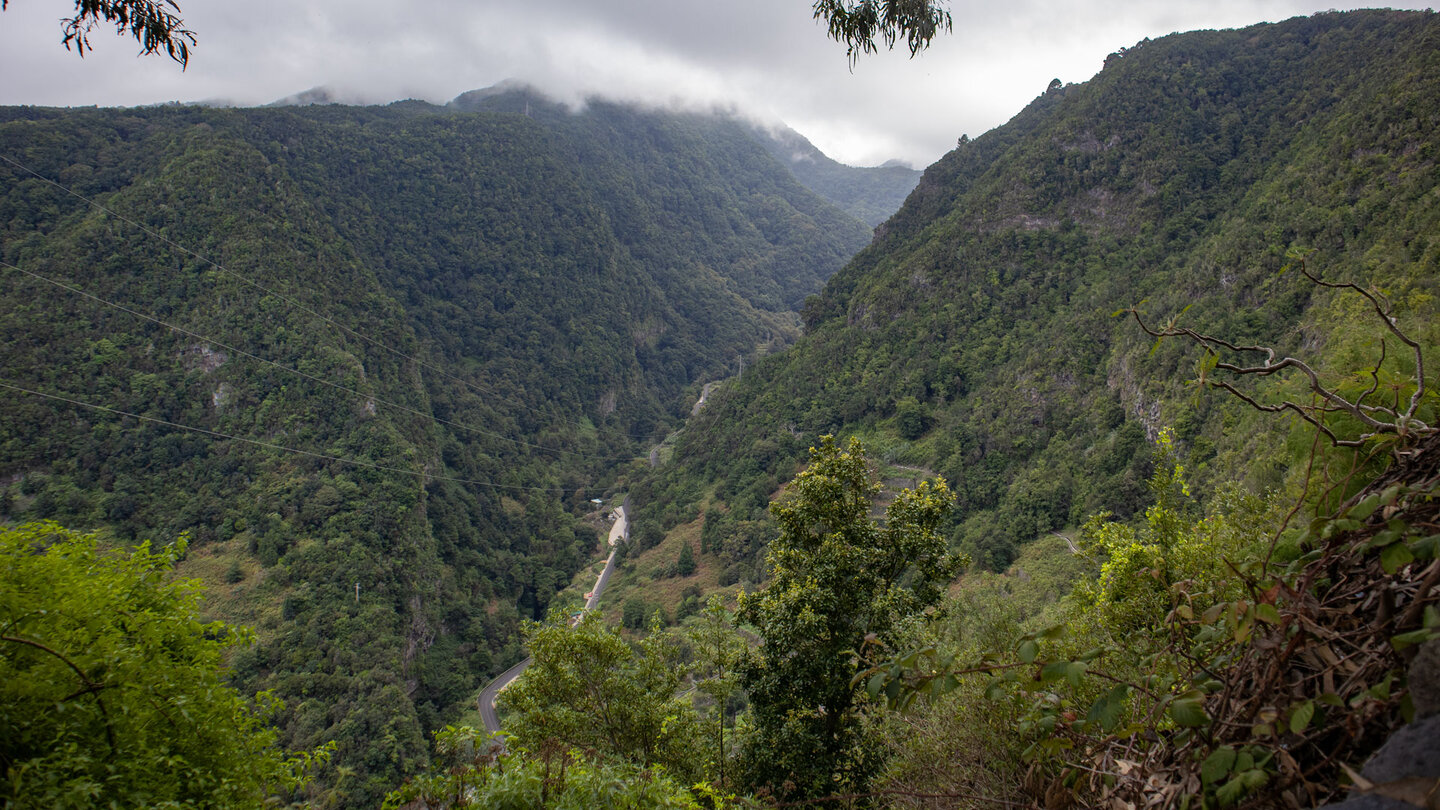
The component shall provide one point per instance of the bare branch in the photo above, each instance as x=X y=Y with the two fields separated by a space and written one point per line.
x=1375 y=420
x=1383 y=308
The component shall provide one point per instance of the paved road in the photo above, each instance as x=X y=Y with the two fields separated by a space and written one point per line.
x=620 y=530
x=704 y=395
x=492 y=691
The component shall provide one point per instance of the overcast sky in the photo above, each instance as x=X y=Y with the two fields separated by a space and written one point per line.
x=767 y=58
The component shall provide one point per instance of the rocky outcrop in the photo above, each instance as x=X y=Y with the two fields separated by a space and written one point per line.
x=1405 y=772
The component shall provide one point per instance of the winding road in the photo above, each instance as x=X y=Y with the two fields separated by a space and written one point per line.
x=620 y=530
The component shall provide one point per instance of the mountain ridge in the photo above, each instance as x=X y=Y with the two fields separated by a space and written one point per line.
x=1179 y=176
x=869 y=193
x=410 y=345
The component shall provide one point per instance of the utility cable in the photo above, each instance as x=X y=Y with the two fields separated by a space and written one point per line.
x=287 y=299
x=424 y=476
x=306 y=375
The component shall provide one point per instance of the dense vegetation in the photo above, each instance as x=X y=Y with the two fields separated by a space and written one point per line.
x=838 y=581
x=976 y=338
x=871 y=193
x=705 y=202
x=113 y=688
x=1234 y=183
x=485 y=314
x=1179 y=599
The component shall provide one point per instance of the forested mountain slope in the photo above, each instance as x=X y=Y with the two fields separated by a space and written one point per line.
x=713 y=196
x=976 y=336
x=409 y=342
x=871 y=193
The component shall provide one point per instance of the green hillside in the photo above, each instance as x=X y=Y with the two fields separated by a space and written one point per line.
x=410 y=344
x=705 y=198
x=976 y=337
x=1160 y=568
x=381 y=363
x=871 y=193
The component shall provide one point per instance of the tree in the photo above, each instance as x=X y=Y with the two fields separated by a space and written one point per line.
x=1140 y=564
x=632 y=615
x=837 y=580
x=111 y=687
x=468 y=772
x=685 y=565
x=717 y=649
x=910 y=418
x=858 y=24
x=588 y=689
x=153 y=23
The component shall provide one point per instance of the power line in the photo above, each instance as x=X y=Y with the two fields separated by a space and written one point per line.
x=291 y=301
x=424 y=476
x=306 y=375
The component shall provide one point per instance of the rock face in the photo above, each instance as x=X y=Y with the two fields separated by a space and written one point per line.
x=1424 y=680
x=1413 y=752
x=1370 y=802
x=1405 y=772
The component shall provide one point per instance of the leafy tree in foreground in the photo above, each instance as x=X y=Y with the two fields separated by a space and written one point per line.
x=589 y=689
x=111 y=689
x=468 y=772
x=837 y=580
x=718 y=648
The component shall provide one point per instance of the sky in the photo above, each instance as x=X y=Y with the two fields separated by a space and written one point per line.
x=766 y=59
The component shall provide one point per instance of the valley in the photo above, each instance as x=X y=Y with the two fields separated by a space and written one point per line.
x=387 y=435
x=953 y=488
x=592 y=599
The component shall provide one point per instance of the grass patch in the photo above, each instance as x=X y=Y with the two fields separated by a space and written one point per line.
x=644 y=575
x=237 y=589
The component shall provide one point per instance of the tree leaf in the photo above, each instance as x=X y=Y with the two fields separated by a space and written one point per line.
x=1245 y=626
x=876 y=681
x=1267 y=612
x=1188 y=712
x=1364 y=508
x=1403 y=640
x=1301 y=717
x=994 y=690
x=1254 y=778
x=1230 y=792
x=1217 y=766
x=1028 y=650
x=1427 y=548
x=1393 y=558
x=1106 y=711
x=1054 y=671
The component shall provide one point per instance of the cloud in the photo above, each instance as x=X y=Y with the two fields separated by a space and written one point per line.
x=768 y=58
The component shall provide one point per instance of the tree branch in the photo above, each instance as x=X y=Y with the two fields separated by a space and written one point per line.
x=1374 y=419
x=90 y=686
